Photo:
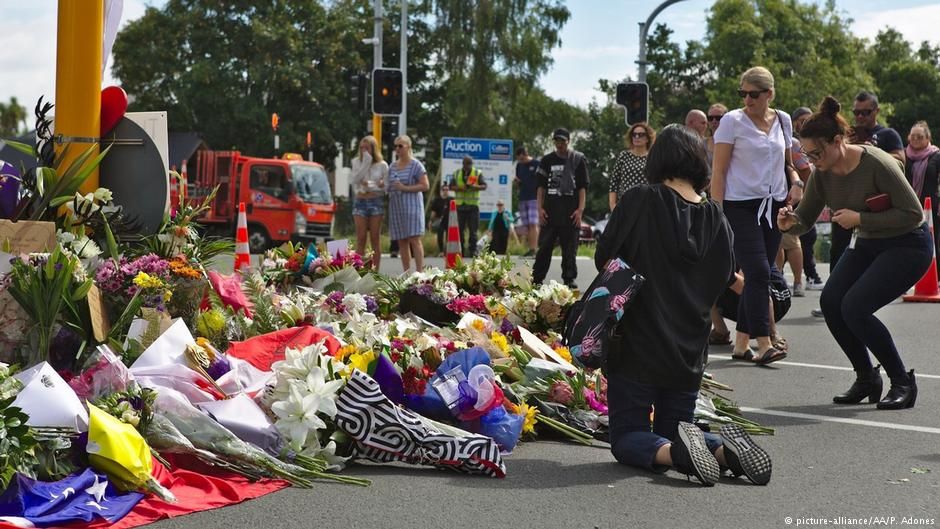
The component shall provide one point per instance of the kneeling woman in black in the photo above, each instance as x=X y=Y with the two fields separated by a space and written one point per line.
x=890 y=249
x=681 y=244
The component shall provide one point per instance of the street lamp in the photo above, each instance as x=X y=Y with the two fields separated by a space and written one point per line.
x=644 y=29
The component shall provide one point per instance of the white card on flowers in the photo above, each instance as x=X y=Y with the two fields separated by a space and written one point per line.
x=42 y=386
x=169 y=348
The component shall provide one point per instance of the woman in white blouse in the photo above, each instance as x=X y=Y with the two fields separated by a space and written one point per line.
x=369 y=174
x=753 y=177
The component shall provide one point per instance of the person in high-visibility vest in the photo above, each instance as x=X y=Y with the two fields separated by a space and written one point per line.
x=467 y=182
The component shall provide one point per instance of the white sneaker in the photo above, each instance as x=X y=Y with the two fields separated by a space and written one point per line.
x=798 y=290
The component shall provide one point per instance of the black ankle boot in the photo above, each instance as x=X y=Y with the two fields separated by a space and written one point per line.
x=869 y=386
x=900 y=396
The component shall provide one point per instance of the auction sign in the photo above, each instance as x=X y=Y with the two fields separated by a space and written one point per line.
x=493 y=158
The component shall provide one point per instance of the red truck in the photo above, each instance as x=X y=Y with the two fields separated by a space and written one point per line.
x=286 y=199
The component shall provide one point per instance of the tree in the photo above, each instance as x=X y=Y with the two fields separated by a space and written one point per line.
x=908 y=82
x=810 y=50
x=223 y=67
x=605 y=139
x=12 y=119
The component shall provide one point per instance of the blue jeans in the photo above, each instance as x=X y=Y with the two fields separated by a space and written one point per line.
x=633 y=440
x=868 y=277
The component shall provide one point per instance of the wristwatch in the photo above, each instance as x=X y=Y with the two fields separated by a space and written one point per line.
x=799 y=184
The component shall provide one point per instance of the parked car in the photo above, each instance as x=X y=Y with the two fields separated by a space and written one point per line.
x=600 y=226
x=586 y=233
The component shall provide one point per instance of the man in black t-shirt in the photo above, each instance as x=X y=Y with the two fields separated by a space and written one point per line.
x=563 y=182
x=867 y=130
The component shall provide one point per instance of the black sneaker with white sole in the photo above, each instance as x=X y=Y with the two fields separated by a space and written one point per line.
x=690 y=455
x=743 y=455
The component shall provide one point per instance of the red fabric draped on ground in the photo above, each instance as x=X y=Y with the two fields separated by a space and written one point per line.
x=262 y=351
x=197 y=487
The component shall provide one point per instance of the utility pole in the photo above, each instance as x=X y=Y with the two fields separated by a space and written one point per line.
x=644 y=29
x=377 y=63
x=403 y=118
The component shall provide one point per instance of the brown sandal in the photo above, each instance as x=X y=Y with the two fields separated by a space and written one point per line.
x=745 y=356
x=779 y=343
x=769 y=356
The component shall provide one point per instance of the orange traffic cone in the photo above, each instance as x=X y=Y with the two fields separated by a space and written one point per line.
x=184 y=182
x=242 y=255
x=926 y=291
x=453 y=236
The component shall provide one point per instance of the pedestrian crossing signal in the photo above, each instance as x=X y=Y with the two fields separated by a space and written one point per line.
x=387 y=92
x=635 y=98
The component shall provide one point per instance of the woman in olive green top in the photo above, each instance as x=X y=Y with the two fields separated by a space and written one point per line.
x=889 y=252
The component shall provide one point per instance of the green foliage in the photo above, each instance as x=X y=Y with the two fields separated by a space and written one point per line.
x=605 y=138
x=45 y=286
x=17 y=445
x=908 y=81
x=12 y=118
x=265 y=318
x=222 y=68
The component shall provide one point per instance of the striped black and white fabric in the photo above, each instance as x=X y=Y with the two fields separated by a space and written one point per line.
x=385 y=433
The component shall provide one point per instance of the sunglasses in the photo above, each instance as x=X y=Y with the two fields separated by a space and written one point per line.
x=399 y=145
x=753 y=94
x=813 y=155
x=714 y=118
x=863 y=111
x=639 y=135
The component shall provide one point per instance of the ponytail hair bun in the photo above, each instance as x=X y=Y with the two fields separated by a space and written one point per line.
x=830 y=106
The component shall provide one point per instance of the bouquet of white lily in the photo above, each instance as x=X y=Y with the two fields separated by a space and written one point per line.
x=205 y=433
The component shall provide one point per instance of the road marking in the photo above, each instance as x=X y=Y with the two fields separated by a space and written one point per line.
x=843 y=420
x=819 y=366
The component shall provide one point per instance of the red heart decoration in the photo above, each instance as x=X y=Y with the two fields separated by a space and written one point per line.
x=113 y=107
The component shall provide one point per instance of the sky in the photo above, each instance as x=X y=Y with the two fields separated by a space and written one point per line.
x=598 y=42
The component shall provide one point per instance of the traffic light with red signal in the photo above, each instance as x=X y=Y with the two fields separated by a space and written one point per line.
x=387 y=88
x=635 y=98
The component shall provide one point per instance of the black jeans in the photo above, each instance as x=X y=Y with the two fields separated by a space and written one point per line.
x=442 y=235
x=756 y=243
x=808 y=242
x=867 y=278
x=840 y=241
x=500 y=239
x=567 y=236
x=468 y=218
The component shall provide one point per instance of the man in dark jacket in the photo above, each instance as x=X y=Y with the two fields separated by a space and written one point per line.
x=563 y=182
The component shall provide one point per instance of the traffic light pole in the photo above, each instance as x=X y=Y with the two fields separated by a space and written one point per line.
x=644 y=30
x=377 y=63
x=403 y=118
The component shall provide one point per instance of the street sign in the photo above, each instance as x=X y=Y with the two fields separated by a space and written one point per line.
x=494 y=158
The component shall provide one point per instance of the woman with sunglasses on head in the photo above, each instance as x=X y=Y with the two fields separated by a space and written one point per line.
x=922 y=166
x=751 y=172
x=630 y=167
x=889 y=252
x=407 y=182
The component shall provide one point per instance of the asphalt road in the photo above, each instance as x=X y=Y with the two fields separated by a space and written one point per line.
x=830 y=461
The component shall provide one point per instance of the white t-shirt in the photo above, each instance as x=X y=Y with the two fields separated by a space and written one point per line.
x=756 y=167
x=367 y=176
